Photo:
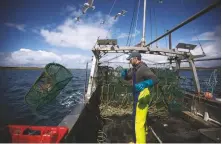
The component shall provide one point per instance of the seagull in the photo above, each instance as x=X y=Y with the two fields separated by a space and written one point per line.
x=120 y=14
x=77 y=19
x=102 y=22
x=88 y=5
x=123 y=12
x=160 y=1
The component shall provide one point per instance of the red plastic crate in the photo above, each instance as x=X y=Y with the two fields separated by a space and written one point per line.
x=44 y=134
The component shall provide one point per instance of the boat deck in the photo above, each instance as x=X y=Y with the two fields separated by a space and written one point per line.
x=173 y=129
x=115 y=125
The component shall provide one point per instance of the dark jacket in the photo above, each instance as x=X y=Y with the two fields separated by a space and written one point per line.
x=137 y=74
x=142 y=73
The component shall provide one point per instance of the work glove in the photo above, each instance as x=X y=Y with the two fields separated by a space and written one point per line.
x=144 y=84
x=123 y=73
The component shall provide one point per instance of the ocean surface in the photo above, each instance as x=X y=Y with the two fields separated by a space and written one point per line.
x=210 y=81
x=14 y=84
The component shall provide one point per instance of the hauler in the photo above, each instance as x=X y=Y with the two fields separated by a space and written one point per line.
x=142 y=79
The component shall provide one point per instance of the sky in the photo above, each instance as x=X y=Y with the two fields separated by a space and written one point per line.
x=37 y=32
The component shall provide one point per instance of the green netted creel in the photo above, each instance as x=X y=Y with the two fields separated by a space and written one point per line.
x=50 y=83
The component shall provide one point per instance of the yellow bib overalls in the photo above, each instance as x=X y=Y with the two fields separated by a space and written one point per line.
x=140 y=110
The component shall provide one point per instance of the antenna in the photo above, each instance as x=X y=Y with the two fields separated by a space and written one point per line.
x=201 y=46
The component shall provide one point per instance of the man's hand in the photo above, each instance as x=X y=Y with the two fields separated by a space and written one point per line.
x=123 y=73
x=142 y=85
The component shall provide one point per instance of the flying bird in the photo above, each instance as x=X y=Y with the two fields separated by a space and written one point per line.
x=77 y=19
x=102 y=22
x=88 y=5
x=120 y=14
x=160 y=1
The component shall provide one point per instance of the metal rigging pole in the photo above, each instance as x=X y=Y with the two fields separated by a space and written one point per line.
x=143 y=41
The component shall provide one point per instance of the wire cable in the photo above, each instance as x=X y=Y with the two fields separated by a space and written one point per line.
x=112 y=7
x=131 y=25
x=136 y=22
x=151 y=25
x=155 y=24
x=130 y=31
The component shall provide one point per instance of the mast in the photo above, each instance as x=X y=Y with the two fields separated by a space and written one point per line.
x=143 y=41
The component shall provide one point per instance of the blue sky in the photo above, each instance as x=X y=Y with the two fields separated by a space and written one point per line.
x=34 y=33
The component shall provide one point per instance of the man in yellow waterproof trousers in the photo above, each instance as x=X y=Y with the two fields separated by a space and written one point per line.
x=143 y=78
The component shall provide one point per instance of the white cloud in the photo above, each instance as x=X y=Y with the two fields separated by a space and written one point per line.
x=75 y=61
x=116 y=60
x=27 y=57
x=210 y=35
x=81 y=34
x=36 y=31
x=211 y=48
x=39 y=58
x=70 y=8
x=212 y=63
x=125 y=35
x=205 y=36
x=20 y=27
x=74 y=11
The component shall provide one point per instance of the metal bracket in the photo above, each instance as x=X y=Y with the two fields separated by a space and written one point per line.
x=196 y=80
x=93 y=74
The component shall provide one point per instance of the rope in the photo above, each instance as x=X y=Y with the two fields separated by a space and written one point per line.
x=199 y=42
x=101 y=138
x=212 y=81
x=112 y=7
x=151 y=25
x=136 y=21
x=155 y=25
x=114 y=58
x=155 y=135
x=131 y=24
x=128 y=40
x=109 y=14
x=164 y=30
x=182 y=2
x=200 y=45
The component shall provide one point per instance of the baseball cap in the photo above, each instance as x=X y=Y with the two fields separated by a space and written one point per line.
x=134 y=54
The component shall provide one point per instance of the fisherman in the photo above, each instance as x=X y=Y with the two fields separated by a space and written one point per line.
x=142 y=79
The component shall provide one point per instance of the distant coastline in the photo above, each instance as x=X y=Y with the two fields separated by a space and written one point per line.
x=21 y=68
x=29 y=68
x=201 y=68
